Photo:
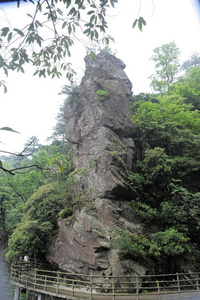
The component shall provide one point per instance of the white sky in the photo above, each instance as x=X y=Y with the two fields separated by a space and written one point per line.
x=32 y=104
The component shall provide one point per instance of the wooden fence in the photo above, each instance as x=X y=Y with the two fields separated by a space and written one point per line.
x=94 y=287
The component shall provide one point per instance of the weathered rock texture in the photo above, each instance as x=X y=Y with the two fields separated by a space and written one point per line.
x=99 y=127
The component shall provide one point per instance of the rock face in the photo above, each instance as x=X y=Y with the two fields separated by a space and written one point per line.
x=99 y=128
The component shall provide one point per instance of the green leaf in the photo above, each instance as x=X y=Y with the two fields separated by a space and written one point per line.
x=96 y=34
x=19 y=31
x=87 y=31
x=69 y=28
x=5 y=31
x=5 y=71
x=61 y=168
x=68 y=3
x=29 y=16
x=1 y=61
x=92 y=55
x=5 y=89
x=135 y=23
x=91 y=12
x=72 y=11
x=9 y=129
x=9 y=36
x=31 y=27
x=92 y=18
x=141 y=22
x=52 y=160
x=1 y=164
x=112 y=2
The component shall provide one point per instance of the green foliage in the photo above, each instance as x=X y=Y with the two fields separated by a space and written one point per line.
x=40 y=219
x=140 y=22
x=156 y=166
x=29 y=237
x=165 y=179
x=189 y=87
x=171 y=243
x=8 y=129
x=102 y=95
x=193 y=61
x=16 y=193
x=166 y=60
x=61 y=20
x=163 y=247
x=23 y=296
x=134 y=245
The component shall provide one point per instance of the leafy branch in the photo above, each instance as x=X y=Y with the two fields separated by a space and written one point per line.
x=19 y=47
x=21 y=154
x=14 y=171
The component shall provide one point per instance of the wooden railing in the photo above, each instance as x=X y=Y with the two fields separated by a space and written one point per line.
x=81 y=286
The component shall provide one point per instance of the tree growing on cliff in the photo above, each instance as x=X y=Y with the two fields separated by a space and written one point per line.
x=166 y=60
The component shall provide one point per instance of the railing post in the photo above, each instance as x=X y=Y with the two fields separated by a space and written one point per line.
x=178 y=283
x=197 y=284
x=27 y=279
x=57 y=285
x=45 y=282
x=35 y=276
x=91 y=287
x=158 y=287
x=35 y=261
x=72 y=293
x=137 y=287
x=113 y=289
x=20 y=272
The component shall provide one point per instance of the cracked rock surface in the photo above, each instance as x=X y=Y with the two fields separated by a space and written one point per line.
x=99 y=127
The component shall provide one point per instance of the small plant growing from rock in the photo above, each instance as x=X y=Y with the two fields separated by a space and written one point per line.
x=102 y=95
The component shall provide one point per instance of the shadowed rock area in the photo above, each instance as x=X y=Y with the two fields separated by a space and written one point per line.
x=99 y=127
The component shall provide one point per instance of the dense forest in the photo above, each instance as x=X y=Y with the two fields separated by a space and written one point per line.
x=165 y=181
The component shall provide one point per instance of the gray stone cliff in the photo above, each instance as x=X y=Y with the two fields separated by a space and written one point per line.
x=99 y=127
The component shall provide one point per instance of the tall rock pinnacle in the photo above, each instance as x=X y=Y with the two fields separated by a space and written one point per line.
x=99 y=127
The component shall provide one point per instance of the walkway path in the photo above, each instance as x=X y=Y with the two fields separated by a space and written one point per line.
x=81 y=286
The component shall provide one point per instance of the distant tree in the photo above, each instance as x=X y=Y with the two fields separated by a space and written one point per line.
x=193 y=61
x=188 y=86
x=59 y=129
x=166 y=60
x=32 y=146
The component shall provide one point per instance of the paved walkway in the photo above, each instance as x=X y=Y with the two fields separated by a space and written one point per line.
x=82 y=287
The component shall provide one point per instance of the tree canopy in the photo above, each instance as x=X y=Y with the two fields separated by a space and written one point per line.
x=166 y=172
x=47 y=39
x=166 y=60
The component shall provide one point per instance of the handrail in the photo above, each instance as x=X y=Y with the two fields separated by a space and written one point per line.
x=91 y=286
